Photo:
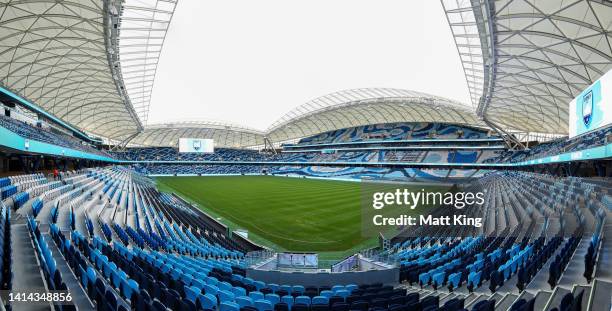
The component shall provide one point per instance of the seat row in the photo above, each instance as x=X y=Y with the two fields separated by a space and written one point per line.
x=560 y=262
x=53 y=277
x=6 y=276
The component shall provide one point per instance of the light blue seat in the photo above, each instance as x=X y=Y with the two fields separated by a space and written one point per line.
x=130 y=286
x=298 y=289
x=236 y=277
x=263 y=305
x=336 y=288
x=288 y=299
x=239 y=291
x=320 y=300
x=192 y=293
x=424 y=278
x=302 y=299
x=208 y=301
x=187 y=279
x=117 y=279
x=454 y=279
x=224 y=286
x=108 y=268
x=244 y=301
x=327 y=293
x=229 y=306
x=342 y=293
x=286 y=288
x=225 y=295
x=175 y=274
x=273 y=298
x=474 y=278
x=211 y=289
x=274 y=287
x=259 y=285
x=166 y=268
x=198 y=283
x=438 y=278
x=211 y=280
x=351 y=287
x=91 y=274
x=256 y=295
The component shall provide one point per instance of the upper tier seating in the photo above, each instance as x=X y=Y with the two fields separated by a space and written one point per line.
x=47 y=136
x=172 y=154
x=395 y=131
x=558 y=146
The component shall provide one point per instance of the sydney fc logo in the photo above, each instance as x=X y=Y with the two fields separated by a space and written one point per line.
x=197 y=144
x=587 y=108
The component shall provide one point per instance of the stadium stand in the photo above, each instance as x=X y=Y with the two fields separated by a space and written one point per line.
x=558 y=146
x=49 y=136
x=130 y=246
x=99 y=224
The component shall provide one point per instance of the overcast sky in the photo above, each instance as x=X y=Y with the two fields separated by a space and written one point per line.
x=249 y=62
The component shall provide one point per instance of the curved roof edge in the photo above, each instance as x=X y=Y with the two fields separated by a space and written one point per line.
x=358 y=107
x=225 y=134
x=344 y=109
x=220 y=125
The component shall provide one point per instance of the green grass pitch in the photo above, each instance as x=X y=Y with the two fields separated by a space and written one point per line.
x=288 y=214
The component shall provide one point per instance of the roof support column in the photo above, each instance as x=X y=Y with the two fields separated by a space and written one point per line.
x=511 y=141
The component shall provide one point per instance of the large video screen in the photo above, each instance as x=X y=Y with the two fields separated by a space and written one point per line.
x=592 y=109
x=198 y=145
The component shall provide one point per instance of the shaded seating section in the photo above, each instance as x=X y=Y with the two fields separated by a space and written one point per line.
x=593 y=252
x=528 y=271
x=557 y=146
x=53 y=277
x=6 y=276
x=105 y=285
x=569 y=302
x=523 y=305
x=561 y=260
x=47 y=135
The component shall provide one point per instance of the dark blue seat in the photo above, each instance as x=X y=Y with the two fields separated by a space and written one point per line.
x=430 y=301
x=359 y=305
x=110 y=299
x=340 y=306
x=300 y=307
x=281 y=306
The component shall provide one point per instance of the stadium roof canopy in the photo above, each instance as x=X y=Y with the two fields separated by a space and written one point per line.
x=358 y=107
x=91 y=63
x=327 y=113
x=64 y=56
x=224 y=134
x=525 y=60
